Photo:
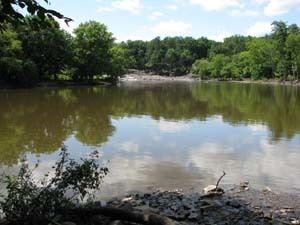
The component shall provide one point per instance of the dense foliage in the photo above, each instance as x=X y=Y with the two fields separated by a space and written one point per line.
x=275 y=56
x=170 y=56
x=29 y=55
x=272 y=57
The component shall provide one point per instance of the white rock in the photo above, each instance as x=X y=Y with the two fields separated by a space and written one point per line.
x=267 y=189
x=127 y=199
x=193 y=216
x=244 y=184
x=295 y=221
x=68 y=223
x=209 y=188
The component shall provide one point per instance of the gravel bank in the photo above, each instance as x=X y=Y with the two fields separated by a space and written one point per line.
x=235 y=206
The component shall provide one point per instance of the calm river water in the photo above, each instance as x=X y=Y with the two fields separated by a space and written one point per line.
x=168 y=135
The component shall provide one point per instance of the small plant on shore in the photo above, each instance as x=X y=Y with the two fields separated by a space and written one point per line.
x=37 y=202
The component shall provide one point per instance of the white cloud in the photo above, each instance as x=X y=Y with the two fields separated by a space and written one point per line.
x=278 y=7
x=171 y=126
x=172 y=7
x=244 y=12
x=133 y=6
x=156 y=14
x=258 y=128
x=271 y=165
x=259 y=29
x=105 y=9
x=129 y=146
x=261 y=1
x=141 y=33
x=176 y=4
x=171 y=27
x=216 y=5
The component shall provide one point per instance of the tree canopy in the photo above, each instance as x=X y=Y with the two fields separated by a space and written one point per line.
x=29 y=55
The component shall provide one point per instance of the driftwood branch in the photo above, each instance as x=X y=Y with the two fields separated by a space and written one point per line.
x=218 y=182
x=216 y=191
x=121 y=214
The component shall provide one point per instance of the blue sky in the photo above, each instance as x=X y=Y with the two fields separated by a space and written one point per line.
x=146 y=19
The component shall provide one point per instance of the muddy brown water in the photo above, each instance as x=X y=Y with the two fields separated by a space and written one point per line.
x=168 y=135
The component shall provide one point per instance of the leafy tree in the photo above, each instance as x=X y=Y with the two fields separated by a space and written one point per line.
x=49 y=47
x=186 y=60
x=154 y=55
x=171 y=59
x=280 y=33
x=9 y=11
x=14 y=67
x=293 y=47
x=120 y=60
x=169 y=56
x=202 y=67
x=231 y=46
x=262 y=55
x=92 y=44
x=201 y=48
x=216 y=48
x=228 y=70
x=234 y=44
x=218 y=62
x=137 y=49
x=242 y=62
x=293 y=29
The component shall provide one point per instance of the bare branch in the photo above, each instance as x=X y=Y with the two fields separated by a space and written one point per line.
x=217 y=185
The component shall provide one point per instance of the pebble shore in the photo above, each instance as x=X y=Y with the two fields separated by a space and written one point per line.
x=247 y=207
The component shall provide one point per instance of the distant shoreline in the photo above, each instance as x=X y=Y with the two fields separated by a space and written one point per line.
x=143 y=77
x=146 y=78
x=56 y=84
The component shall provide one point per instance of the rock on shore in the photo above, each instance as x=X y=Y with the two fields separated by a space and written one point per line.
x=146 y=77
x=233 y=207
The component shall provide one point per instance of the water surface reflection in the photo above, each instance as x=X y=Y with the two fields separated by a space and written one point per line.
x=162 y=135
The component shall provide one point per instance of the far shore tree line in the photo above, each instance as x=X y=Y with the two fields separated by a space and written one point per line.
x=275 y=56
x=31 y=53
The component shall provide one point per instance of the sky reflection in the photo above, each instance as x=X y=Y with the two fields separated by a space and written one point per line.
x=181 y=140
